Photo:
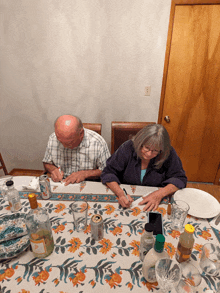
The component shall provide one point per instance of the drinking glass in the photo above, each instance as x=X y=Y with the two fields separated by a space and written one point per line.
x=178 y=214
x=79 y=210
x=168 y=274
x=191 y=278
x=210 y=259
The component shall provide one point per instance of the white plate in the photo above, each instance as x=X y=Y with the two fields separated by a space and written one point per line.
x=202 y=204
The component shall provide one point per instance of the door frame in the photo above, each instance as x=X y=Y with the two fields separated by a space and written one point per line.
x=175 y=3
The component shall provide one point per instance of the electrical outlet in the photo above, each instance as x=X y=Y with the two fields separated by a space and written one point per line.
x=147 y=90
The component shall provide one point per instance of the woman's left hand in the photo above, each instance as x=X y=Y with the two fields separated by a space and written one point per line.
x=152 y=201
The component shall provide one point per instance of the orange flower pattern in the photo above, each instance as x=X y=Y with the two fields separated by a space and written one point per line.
x=77 y=278
x=106 y=245
x=76 y=242
x=59 y=228
x=80 y=255
x=114 y=280
x=116 y=231
x=109 y=209
x=59 y=208
x=206 y=234
x=42 y=276
x=136 y=246
x=170 y=249
x=136 y=211
x=82 y=185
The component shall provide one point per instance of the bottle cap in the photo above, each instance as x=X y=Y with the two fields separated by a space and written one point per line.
x=33 y=200
x=189 y=228
x=9 y=183
x=159 y=244
x=149 y=227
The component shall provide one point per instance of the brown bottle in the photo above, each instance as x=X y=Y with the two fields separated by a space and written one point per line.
x=185 y=245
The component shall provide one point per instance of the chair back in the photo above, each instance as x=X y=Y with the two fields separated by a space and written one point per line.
x=122 y=131
x=97 y=127
x=3 y=165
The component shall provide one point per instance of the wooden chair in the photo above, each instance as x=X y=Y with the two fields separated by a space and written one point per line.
x=97 y=127
x=3 y=165
x=122 y=131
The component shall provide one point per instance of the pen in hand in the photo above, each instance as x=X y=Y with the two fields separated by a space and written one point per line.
x=125 y=192
x=60 y=173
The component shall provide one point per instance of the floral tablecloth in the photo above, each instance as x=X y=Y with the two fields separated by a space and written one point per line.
x=80 y=264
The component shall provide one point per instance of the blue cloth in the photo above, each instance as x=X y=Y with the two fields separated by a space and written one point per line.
x=124 y=167
x=143 y=172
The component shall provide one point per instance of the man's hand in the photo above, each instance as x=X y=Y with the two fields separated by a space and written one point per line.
x=152 y=201
x=75 y=177
x=57 y=175
x=124 y=202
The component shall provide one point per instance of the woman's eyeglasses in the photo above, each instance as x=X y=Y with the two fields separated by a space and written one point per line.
x=147 y=149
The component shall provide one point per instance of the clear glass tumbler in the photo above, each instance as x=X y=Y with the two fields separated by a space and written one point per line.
x=178 y=214
x=79 y=209
x=210 y=259
x=191 y=278
x=168 y=274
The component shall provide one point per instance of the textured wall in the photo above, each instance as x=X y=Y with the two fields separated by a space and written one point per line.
x=91 y=58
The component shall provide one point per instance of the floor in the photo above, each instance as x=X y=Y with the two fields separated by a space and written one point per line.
x=210 y=188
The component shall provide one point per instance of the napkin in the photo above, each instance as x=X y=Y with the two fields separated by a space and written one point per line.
x=213 y=224
x=33 y=184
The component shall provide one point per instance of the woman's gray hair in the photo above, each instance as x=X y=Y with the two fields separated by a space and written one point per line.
x=154 y=136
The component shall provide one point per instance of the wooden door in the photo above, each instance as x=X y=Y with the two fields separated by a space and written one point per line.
x=191 y=87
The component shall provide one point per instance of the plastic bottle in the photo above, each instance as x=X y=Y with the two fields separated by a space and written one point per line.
x=156 y=253
x=185 y=245
x=147 y=240
x=39 y=229
x=13 y=197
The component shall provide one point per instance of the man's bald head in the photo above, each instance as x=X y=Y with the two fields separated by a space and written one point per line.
x=69 y=130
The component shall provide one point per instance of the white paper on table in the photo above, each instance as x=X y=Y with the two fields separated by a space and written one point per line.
x=137 y=201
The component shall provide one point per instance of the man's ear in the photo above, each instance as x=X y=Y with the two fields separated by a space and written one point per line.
x=81 y=133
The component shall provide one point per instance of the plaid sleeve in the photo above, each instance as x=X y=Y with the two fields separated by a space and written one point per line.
x=47 y=156
x=104 y=154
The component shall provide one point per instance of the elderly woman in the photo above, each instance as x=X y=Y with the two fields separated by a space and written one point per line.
x=148 y=159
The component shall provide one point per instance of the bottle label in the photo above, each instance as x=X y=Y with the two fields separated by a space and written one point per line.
x=182 y=256
x=38 y=246
x=151 y=275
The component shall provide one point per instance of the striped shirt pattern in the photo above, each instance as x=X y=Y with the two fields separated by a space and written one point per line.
x=91 y=154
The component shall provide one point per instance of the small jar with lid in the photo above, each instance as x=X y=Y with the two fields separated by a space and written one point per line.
x=147 y=240
x=185 y=245
x=13 y=197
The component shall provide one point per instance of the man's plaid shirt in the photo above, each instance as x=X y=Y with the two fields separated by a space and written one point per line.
x=91 y=154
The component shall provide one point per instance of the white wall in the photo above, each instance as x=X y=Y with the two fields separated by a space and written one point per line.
x=91 y=58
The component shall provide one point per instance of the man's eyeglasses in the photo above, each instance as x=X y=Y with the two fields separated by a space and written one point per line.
x=147 y=149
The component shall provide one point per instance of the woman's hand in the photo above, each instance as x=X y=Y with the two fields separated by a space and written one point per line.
x=125 y=202
x=152 y=200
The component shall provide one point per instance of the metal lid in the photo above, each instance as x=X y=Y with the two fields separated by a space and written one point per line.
x=9 y=183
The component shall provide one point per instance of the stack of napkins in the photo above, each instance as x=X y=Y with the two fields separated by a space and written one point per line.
x=33 y=185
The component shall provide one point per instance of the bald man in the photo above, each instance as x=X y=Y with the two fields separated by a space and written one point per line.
x=74 y=153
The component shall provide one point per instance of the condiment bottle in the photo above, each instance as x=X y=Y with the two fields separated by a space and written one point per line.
x=147 y=240
x=156 y=253
x=13 y=197
x=169 y=207
x=39 y=229
x=185 y=245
